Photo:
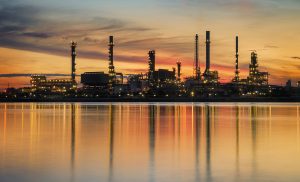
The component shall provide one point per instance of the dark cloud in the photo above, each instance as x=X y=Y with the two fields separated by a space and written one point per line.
x=295 y=57
x=182 y=44
x=27 y=28
x=4 y=29
x=37 y=35
x=18 y=15
x=64 y=51
x=23 y=45
x=20 y=21
x=91 y=40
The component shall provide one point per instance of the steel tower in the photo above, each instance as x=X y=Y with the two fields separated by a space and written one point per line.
x=196 y=63
x=73 y=60
x=207 y=69
x=178 y=70
x=111 y=67
x=151 y=65
x=237 y=72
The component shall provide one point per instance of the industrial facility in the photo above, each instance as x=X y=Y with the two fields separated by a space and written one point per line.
x=160 y=83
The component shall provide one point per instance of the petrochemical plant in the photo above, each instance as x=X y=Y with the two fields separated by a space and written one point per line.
x=156 y=83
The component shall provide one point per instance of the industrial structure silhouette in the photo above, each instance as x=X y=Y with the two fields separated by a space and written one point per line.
x=156 y=83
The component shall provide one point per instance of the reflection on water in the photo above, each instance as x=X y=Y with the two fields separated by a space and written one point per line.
x=73 y=139
x=149 y=142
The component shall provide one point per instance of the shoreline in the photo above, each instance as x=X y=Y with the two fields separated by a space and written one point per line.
x=221 y=99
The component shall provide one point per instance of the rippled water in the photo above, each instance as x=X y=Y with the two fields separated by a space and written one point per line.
x=149 y=142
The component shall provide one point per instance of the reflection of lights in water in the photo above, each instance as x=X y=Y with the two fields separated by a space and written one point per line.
x=111 y=141
x=152 y=123
x=197 y=142
x=73 y=140
x=208 y=142
x=4 y=123
x=253 y=115
x=298 y=145
x=161 y=141
x=237 y=118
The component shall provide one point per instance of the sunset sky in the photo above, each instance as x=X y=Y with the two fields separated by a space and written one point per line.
x=35 y=36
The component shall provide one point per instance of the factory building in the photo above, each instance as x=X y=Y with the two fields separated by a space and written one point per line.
x=138 y=83
x=161 y=82
x=256 y=77
x=135 y=83
x=161 y=75
x=164 y=75
x=165 y=83
x=94 y=79
x=36 y=80
x=41 y=83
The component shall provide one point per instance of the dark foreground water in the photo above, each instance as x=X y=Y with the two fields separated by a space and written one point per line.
x=149 y=142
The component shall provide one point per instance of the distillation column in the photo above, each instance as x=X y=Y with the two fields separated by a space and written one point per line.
x=237 y=78
x=151 y=65
x=178 y=70
x=73 y=61
x=111 y=67
x=207 y=69
x=197 y=67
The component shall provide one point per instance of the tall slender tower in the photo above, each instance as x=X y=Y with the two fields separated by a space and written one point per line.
x=151 y=65
x=111 y=67
x=178 y=70
x=73 y=60
x=237 y=77
x=253 y=67
x=197 y=67
x=207 y=69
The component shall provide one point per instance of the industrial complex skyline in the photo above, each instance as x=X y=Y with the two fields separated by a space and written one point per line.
x=155 y=83
x=34 y=36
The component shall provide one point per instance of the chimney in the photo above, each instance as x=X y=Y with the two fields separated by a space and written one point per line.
x=151 y=65
x=178 y=69
x=197 y=67
x=207 y=51
x=237 y=58
x=73 y=60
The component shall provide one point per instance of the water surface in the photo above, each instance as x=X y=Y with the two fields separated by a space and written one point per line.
x=149 y=142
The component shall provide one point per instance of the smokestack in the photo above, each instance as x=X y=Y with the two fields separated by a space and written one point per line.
x=197 y=67
x=178 y=69
x=111 y=67
x=151 y=64
x=237 y=58
x=237 y=44
x=73 y=60
x=207 y=51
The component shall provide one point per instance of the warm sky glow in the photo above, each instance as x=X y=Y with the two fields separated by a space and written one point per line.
x=34 y=35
